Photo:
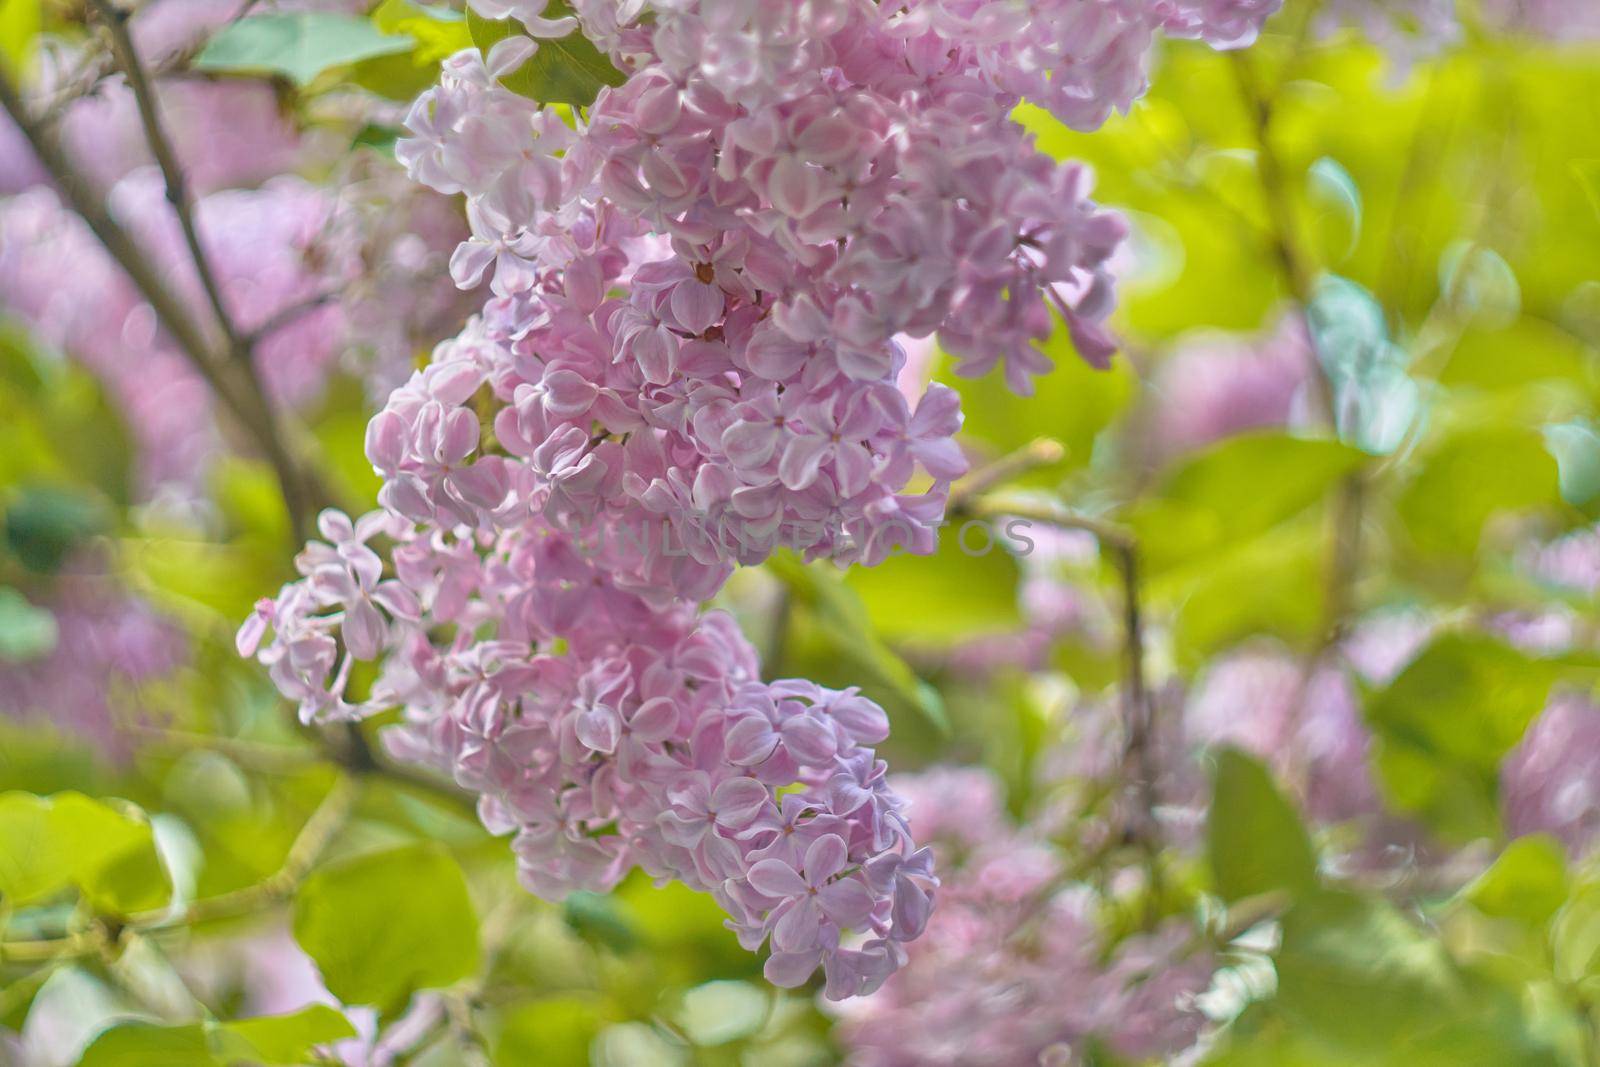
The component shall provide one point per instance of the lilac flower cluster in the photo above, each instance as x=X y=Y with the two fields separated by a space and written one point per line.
x=698 y=285
x=1012 y=969
x=111 y=649
x=1412 y=30
x=608 y=734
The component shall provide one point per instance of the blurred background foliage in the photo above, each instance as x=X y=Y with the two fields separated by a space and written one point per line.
x=1436 y=230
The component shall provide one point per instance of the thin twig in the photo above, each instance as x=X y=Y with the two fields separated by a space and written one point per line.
x=234 y=383
x=1040 y=452
x=288 y=315
x=104 y=934
x=155 y=134
x=1138 y=710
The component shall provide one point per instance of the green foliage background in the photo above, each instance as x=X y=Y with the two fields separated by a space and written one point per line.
x=1462 y=199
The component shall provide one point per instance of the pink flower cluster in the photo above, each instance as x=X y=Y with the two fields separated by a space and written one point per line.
x=1013 y=968
x=1550 y=782
x=111 y=648
x=608 y=734
x=691 y=358
x=1410 y=30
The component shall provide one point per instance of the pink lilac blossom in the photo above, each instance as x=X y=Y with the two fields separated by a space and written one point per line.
x=607 y=733
x=1307 y=727
x=1414 y=30
x=1550 y=782
x=690 y=358
x=1214 y=387
x=111 y=648
x=1013 y=969
x=1570 y=562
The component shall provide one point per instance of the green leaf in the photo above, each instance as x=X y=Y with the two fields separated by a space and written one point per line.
x=1471 y=477
x=1355 y=972
x=26 y=632
x=1234 y=490
x=1575 y=936
x=1449 y=719
x=287 y=1039
x=1527 y=882
x=142 y=1044
x=299 y=46
x=967 y=586
x=1334 y=193
x=555 y=1030
x=109 y=854
x=438 y=32
x=820 y=589
x=1269 y=584
x=719 y=1012
x=1576 y=447
x=20 y=21
x=44 y=524
x=1073 y=403
x=597 y=918
x=565 y=70
x=382 y=925
x=1254 y=839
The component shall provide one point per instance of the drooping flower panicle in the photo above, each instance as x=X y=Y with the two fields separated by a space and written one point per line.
x=691 y=358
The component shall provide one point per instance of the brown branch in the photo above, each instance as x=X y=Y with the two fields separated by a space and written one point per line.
x=1040 y=452
x=178 y=194
x=287 y=315
x=1139 y=763
x=104 y=935
x=234 y=385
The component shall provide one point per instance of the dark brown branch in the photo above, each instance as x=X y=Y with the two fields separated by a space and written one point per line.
x=104 y=935
x=234 y=385
x=178 y=195
x=288 y=315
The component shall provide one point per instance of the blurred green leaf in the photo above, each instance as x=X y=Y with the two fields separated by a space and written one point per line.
x=1576 y=448
x=1526 y=882
x=1360 y=986
x=143 y=1044
x=597 y=918
x=1472 y=476
x=967 y=586
x=1447 y=721
x=26 y=632
x=1575 y=935
x=719 y=1012
x=382 y=925
x=20 y=21
x=300 y=45
x=554 y=1031
x=1354 y=971
x=1255 y=842
x=819 y=588
x=108 y=853
x=1528 y=350
x=565 y=70
x=1071 y=404
x=43 y=525
x=1269 y=584
x=288 y=1039
x=1234 y=490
